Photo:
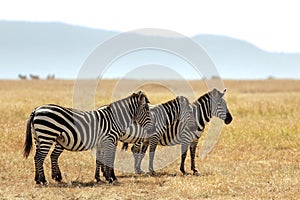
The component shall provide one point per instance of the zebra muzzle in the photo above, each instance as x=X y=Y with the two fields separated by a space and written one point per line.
x=228 y=118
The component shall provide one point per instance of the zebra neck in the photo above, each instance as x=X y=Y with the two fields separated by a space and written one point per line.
x=202 y=111
x=122 y=116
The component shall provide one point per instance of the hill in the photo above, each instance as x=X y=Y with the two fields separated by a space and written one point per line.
x=60 y=49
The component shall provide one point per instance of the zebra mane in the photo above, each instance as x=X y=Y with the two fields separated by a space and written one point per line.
x=135 y=96
x=204 y=96
x=170 y=102
x=211 y=95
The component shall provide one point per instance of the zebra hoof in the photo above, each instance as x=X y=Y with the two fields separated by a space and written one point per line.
x=152 y=173
x=196 y=173
x=183 y=172
x=57 y=178
x=139 y=172
x=110 y=181
x=45 y=183
x=41 y=181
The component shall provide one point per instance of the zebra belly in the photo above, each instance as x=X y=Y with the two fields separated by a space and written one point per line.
x=166 y=140
x=134 y=134
x=132 y=138
x=169 y=143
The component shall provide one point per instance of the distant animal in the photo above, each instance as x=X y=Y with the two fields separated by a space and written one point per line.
x=76 y=130
x=34 y=77
x=204 y=108
x=22 y=77
x=50 y=77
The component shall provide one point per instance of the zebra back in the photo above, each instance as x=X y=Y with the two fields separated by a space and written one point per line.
x=167 y=113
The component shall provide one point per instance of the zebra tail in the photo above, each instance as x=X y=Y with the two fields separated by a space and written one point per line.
x=28 y=138
x=125 y=146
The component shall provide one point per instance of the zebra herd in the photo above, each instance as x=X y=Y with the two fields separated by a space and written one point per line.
x=129 y=120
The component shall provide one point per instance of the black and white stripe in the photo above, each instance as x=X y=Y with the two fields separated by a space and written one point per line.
x=76 y=130
x=204 y=108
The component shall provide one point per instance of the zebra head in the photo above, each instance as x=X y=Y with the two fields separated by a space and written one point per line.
x=186 y=113
x=219 y=107
x=142 y=113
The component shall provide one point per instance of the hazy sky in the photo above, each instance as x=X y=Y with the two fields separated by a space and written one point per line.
x=270 y=25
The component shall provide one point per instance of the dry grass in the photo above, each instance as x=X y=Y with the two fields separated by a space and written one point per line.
x=257 y=156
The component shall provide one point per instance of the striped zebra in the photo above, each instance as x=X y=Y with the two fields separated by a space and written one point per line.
x=76 y=130
x=204 y=108
x=164 y=116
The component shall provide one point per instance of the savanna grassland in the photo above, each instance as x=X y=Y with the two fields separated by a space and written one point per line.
x=257 y=155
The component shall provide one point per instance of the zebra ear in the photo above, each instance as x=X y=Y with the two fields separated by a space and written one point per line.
x=137 y=94
x=222 y=94
x=147 y=100
x=142 y=98
x=215 y=93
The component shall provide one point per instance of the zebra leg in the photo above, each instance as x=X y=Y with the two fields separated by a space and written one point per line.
x=109 y=158
x=136 y=160
x=99 y=163
x=141 y=157
x=112 y=174
x=184 y=147
x=41 y=152
x=36 y=165
x=56 y=174
x=102 y=164
x=104 y=168
x=153 y=145
x=136 y=150
x=193 y=153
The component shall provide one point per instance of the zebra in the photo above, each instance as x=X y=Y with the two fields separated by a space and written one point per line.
x=177 y=111
x=76 y=130
x=34 y=77
x=22 y=77
x=50 y=77
x=204 y=108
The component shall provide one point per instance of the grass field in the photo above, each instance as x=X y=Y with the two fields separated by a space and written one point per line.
x=256 y=157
